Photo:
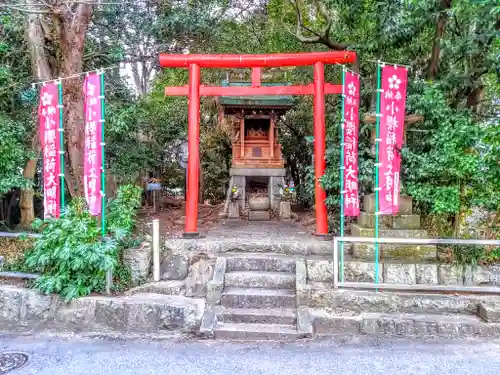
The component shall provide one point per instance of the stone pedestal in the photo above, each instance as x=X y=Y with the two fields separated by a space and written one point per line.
x=285 y=212
x=234 y=210
x=275 y=179
x=403 y=225
x=259 y=209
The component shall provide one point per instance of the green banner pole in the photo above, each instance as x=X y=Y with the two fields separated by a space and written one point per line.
x=103 y=160
x=342 y=168
x=61 y=145
x=377 y=168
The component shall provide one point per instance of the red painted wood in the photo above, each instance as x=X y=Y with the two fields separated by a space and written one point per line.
x=193 y=150
x=319 y=147
x=253 y=91
x=256 y=77
x=254 y=61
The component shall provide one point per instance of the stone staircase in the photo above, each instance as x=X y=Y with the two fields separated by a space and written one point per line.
x=259 y=298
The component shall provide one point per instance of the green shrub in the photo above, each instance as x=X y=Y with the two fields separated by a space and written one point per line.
x=72 y=257
x=70 y=254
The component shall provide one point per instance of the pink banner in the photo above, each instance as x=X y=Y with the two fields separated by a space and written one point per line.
x=93 y=139
x=351 y=124
x=392 y=110
x=48 y=117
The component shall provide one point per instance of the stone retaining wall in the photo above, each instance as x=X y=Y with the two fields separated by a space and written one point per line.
x=406 y=273
x=22 y=309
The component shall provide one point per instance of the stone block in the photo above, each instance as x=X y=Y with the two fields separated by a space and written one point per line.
x=215 y=286
x=174 y=267
x=361 y=271
x=259 y=215
x=285 y=211
x=264 y=263
x=399 y=273
x=405 y=204
x=208 y=323
x=319 y=270
x=234 y=210
x=367 y=220
x=21 y=306
x=483 y=275
x=427 y=274
x=304 y=322
x=259 y=203
x=489 y=312
x=301 y=288
x=169 y=288
x=139 y=260
x=449 y=274
x=200 y=273
x=324 y=323
x=406 y=222
x=110 y=314
x=180 y=313
x=358 y=231
x=394 y=251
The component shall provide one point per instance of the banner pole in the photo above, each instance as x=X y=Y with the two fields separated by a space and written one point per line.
x=342 y=169
x=103 y=160
x=61 y=145
x=377 y=168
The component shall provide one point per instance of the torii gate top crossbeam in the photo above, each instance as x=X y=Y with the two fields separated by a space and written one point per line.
x=256 y=61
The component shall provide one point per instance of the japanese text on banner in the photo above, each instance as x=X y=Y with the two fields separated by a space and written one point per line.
x=93 y=139
x=392 y=109
x=48 y=117
x=350 y=143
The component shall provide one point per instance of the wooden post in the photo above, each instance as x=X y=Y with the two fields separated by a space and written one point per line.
x=319 y=148
x=271 y=137
x=193 y=169
x=242 y=137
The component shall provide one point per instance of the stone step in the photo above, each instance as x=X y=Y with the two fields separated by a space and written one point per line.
x=367 y=220
x=264 y=316
x=248 y=331
x=258 y=279
x=423 y=325
x=170 y=288
x=256 y=298
x=259 y=215
x=260 y=262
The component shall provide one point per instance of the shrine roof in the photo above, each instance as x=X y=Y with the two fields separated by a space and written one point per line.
x=283 y=101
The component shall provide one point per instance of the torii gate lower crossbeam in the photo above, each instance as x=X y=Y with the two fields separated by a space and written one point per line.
x=194 y=90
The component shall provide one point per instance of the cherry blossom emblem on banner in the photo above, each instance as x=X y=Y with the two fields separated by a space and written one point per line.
x=350 y=143
x=392 y=110
x=93 y=139
x=48 y=115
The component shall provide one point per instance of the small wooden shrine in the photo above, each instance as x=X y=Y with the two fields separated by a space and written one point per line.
x=257 y=162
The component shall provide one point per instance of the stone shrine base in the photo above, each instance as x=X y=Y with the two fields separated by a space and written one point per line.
x=244 y=236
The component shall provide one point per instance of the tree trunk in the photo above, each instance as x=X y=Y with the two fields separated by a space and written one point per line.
x=73 y=29
x=432 y=69
x=41 y=71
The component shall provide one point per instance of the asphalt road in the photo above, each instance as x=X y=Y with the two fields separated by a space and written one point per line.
x=54 y=355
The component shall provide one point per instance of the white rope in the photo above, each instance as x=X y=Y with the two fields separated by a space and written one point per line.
x=76 y=75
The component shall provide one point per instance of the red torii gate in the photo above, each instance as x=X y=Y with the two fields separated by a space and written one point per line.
x=194 y=90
